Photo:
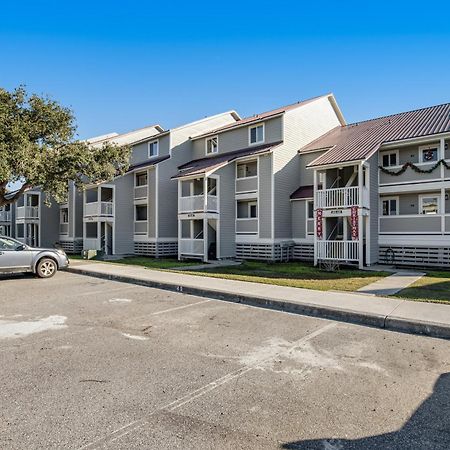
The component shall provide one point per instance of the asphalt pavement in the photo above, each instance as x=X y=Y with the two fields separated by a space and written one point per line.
x=93 y=363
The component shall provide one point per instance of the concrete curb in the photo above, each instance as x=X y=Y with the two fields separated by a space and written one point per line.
x=392 y=323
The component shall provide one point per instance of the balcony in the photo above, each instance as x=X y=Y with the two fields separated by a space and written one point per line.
x=27 y=212
x=140 y=227
x=63 y=228
x=5 y=216
x=194 y=247
x=247 y=225
x=248 y=184
x=338 y=250
x=196 y=203
x=91 y=244
x=100 y=209
x=340 y=197
x=410 y=224
x=140 y=192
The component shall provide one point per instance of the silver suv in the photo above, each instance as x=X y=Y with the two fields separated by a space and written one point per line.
x=18 y=257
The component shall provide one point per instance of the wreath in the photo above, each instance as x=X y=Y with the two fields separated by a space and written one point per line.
x=414 y=167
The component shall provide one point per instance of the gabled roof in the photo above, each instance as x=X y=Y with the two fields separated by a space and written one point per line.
x=303 y=192
x=211 y=163
x=131 y=137
x=270 y=114
x=360 y=140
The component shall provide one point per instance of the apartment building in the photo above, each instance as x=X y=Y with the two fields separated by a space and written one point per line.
x=233 y=195
x=137 y=213
x=379 y=191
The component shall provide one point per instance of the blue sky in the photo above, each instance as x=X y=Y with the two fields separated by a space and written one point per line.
x=128 y=64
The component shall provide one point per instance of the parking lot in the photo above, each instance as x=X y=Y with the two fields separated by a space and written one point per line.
x=89 y=363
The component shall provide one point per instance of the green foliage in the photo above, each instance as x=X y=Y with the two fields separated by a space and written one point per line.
x=39 y=149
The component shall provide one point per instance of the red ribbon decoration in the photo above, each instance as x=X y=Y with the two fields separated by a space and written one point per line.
x=319 y=227
x=354 y=223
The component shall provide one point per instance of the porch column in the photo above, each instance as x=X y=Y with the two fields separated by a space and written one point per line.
x=360 y=222
x=205 y=239
x=368 y=230
x=442 y=156
x=314 y=215
x=179 y=237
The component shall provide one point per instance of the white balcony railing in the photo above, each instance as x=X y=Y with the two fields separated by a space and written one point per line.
x=248 y=184
x=195 y=203
x=5 y=216
x=193 y=247
x=247 y=225
x=340 y=197
x=338 y=250
x=105 y=209
x=28 y=212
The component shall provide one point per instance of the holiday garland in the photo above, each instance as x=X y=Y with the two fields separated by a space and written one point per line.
x=414 y=167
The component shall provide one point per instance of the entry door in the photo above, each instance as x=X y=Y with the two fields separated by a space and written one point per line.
x=10 y=257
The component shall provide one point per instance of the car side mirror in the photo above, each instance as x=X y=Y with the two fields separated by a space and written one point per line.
x=21 y=248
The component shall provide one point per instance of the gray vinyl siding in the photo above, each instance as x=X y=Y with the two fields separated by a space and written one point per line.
x=305 y=175
x=139 y=153
x=409 y=203
x=48 y=223
x=78 y=213
x=374 y=208
x=237 y=138
x=301 y=126
x=227 y=211
x=124 y=214
x=265 y=196
x=298 y=219
x=71 y=207
x=168 y=198
x=151 y=206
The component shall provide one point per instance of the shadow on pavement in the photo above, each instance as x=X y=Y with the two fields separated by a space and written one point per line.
x=427 y=429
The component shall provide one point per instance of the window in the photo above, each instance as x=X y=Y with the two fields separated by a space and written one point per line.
x=141 y=213
x=141 y=179
x=212 y=145
x=247 y=209
x=429 y=204
x=8 y=244
x=390 y=159
x=64 y=218
x=153 y=149
x=20 y=230
x=91 y=230
x=429 y=153
x=246 y=170
x=390 y=206
x=310 y=217
x=256 y=134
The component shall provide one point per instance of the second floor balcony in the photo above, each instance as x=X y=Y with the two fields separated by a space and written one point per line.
x=27 y=212
x=198 y=203
x=345 y=197
x=99 y=209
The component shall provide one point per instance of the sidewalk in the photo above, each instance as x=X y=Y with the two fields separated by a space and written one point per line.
x=389 y=313
x=392 y=284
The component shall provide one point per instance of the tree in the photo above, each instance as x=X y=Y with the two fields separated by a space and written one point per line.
x=39 y=149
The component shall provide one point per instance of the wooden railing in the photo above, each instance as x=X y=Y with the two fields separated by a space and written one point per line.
x=191 y=247
x=28 y=212
x=99 y=209
x=5 y=216
x=339 y=197
x=197 y=203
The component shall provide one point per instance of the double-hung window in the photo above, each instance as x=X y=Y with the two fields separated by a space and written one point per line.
x=256 y=134
x=212 y=145
x=141 y=179
x=390 y=159
x=246 y=170
x=390 y=206
x=153 y=149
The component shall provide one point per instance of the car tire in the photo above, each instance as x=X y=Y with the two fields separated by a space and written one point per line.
x=46 y=268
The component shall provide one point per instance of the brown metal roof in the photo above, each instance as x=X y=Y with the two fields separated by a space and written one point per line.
x=203 y=165
x=261 y=116
x=149 y=163
x=359 y=140
x=303 y=192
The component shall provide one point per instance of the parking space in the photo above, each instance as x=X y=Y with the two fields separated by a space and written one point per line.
x=90 y=363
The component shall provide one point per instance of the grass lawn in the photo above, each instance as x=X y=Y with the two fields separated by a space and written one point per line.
x=433 y=287
x=294 y=274
x=155 y=263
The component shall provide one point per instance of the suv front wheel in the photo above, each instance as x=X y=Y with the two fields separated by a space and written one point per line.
x=46 y=268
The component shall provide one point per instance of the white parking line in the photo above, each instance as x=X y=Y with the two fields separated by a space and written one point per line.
x=137 y=424
x=179 y=307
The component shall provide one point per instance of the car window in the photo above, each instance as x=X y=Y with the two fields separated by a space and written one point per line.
x=8 y=244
